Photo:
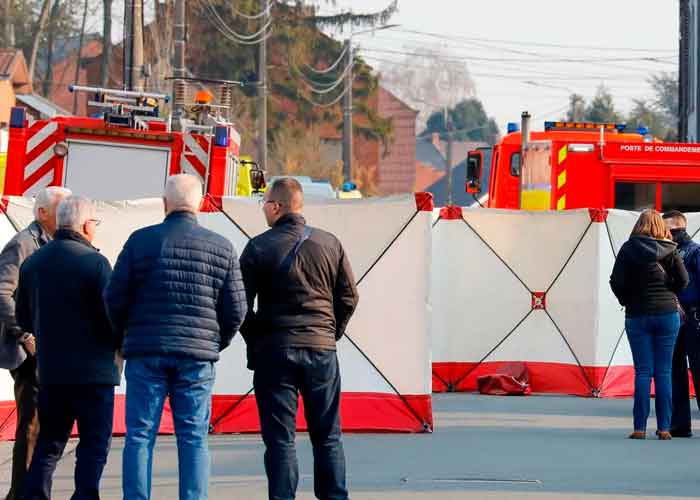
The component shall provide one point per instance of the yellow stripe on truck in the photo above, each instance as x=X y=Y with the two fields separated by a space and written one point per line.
x=561 y=204
x=561 y=179
x=562 y=154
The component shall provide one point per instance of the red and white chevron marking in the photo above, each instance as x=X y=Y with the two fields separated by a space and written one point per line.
x=39 y=153
x=195 y=155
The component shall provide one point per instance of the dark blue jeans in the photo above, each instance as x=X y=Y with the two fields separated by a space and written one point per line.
x=188 y=383
x=60 y=406
x=687 y=351
x=652 y=339
x=280 y=376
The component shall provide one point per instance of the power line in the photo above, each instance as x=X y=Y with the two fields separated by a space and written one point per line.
x=659 y=60
x=332 y=66
x=535 y=44
x=252 y=17
x=212 y=15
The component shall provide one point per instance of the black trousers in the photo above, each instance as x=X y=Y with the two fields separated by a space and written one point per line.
x=686 y=351
x=26 y=395
x=60 y=406
x=280 y=376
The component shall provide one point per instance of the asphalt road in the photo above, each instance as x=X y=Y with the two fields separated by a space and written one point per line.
x=482 y=448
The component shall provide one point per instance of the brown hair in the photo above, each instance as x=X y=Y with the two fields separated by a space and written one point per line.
x=651 y=224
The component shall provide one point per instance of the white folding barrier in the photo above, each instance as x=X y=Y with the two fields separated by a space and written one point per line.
x=515 y=286
x=385 y=356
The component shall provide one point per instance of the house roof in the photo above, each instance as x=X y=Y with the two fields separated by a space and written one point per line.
x=46 y=108
x=460 y=197
x=426 y=175
x=13 y=67
x=428 y=154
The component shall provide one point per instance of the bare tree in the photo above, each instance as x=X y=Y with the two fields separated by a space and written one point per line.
x=38 y=34
x=429 y=79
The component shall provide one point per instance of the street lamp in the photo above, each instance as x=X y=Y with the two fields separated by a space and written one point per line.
x=347 y=101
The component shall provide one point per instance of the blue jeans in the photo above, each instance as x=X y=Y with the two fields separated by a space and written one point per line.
x=280 y=376
x=189 y=384
x=652 y=339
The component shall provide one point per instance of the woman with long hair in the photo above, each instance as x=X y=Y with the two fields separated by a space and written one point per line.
x=646 y=279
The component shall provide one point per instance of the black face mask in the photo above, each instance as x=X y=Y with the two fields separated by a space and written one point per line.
x=679 y=235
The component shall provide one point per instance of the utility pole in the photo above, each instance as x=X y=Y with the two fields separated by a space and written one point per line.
x=683 y=65
x=76 y=79
x=262 y=92
x=347 y=115
x=448 y=121
x=179 y=70
x=137 y=49
x=133 y=45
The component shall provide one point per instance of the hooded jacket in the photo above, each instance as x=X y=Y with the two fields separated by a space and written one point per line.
x=689 y=250
x=647 y=276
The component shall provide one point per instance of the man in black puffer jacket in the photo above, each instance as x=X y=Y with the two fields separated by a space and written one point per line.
x=177 y=295
x=306 y=295
x=59 y=300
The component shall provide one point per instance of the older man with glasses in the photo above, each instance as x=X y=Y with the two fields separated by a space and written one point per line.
x=59 y=300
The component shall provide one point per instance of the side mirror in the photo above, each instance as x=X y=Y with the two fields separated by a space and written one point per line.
x=475 y=160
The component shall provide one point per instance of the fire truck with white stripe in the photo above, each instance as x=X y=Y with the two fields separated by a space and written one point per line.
x=128 y=150
x=585 y=165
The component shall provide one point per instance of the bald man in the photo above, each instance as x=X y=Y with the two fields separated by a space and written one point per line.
x=306 y=295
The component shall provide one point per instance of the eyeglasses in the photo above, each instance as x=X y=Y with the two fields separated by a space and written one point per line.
x=264 y=202
x=96 y=221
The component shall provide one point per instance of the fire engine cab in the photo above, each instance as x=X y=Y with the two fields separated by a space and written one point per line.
x=587 y=165
x=127 y=150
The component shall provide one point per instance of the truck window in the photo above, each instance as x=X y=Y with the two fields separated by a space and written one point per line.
x=635 y=196
x=515 y=164
x=680 y=196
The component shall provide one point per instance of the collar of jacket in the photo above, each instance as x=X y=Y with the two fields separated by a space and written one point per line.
x=69 y=234
x=290 y=219
x=181 y=215
x=38 y=232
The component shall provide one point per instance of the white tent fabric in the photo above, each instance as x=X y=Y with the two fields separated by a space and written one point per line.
x=385 y=359
x=490 y=267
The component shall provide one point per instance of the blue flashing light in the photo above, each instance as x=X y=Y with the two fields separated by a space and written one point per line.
x=620 y=127
x=17 y=117
x=642 y=130
x=221 y=136
x=513 y=127
x=348 y=186
x=549 y=125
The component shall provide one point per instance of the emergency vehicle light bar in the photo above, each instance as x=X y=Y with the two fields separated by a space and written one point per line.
x=552 y=126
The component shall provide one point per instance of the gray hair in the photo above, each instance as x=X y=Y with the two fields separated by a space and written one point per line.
x=48 y=196
x=183 y=192
x=74 y=212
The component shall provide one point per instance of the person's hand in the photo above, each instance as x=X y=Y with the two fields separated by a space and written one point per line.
x=30 y=345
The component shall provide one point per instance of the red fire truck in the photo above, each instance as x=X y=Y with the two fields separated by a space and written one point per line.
x=587 y=165
x=127 y=150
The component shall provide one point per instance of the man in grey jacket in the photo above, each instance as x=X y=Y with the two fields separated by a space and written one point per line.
x=17 y=348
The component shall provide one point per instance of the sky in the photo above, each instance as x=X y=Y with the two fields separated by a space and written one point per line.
x=531 y=55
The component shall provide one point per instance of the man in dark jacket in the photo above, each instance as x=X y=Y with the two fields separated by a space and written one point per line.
x=688 y=342
x=306 y=294
x=17 y=348
x=59 y=300
x=177 y=296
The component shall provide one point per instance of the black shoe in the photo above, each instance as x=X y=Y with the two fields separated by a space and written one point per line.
x=681 y=433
